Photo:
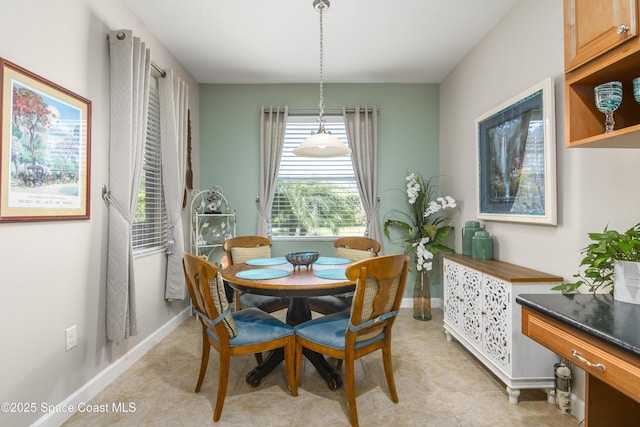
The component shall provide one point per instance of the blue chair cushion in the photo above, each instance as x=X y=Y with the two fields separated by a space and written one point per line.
x=263 y=302
x=331 y=331
x=254 y=327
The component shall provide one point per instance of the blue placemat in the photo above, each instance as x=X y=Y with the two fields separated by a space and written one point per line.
x=324 y=260
x=266 y=261
x=262 y=274
x=331 y=273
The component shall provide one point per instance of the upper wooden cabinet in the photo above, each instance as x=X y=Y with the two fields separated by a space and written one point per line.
x=601 y=45
x=593 y=27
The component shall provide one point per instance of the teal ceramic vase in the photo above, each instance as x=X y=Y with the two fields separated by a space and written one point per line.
x=468 y=231
x=482 y=245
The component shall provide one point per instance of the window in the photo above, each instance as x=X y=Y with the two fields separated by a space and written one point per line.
x=315 y=197
x=150 y=222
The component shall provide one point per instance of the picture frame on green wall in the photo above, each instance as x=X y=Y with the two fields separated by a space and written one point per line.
x=516 y=158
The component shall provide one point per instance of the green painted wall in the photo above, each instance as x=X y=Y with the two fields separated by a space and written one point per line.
x=408 y=140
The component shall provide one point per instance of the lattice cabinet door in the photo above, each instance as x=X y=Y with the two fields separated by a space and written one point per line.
x=452 y=291
x=496 y=326
x=471 y=305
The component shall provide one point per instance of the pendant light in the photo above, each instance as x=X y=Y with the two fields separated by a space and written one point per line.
x=321 y=143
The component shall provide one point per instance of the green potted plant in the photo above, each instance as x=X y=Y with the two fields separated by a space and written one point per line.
x=423 y=232
x=598 y=265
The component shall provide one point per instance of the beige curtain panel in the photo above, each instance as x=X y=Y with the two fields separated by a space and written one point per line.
x=130 y=73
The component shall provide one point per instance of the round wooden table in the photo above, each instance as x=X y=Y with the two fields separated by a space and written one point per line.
x=297 y=285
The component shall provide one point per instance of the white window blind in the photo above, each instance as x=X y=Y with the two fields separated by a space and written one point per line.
x=150 y=222
x=315 y=197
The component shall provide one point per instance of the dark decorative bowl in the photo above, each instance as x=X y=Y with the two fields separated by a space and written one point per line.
x=299 y=259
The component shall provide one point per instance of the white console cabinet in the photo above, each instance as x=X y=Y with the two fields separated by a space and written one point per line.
x=480 y=311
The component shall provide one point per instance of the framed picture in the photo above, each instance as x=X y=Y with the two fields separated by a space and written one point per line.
x=516 y=154
x=45 y=154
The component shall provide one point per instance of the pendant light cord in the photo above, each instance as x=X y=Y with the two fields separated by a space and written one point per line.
x=321 y=8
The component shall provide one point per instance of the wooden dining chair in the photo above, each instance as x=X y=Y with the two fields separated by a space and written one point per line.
x=357 y=248
x=354 y=248
x=241 y=249
x=350 y=335
x=244 y=332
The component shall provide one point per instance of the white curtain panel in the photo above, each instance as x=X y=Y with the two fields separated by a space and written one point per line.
x=130 y=73
x=273 y=123
x=362 y=131
x=174 y=94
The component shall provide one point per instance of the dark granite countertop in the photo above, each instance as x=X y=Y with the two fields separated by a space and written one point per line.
x=616 y=323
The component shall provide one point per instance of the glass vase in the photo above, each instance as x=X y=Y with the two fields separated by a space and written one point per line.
x=608 y=99
x=422 y=297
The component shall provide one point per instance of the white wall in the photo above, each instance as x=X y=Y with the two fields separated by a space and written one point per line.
x=52 y=274
x=596 y=187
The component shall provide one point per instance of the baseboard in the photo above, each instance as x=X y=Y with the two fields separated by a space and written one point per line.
x=408 y=303
x=89 y=390
x=577 y=408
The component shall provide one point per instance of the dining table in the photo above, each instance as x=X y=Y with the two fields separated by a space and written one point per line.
x=277 y=277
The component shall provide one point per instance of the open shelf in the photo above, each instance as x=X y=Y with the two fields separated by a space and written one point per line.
x=585 y=124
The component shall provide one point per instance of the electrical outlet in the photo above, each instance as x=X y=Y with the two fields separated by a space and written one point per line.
x=71 y=337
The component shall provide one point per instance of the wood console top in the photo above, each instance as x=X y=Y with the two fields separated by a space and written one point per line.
x=503 y=270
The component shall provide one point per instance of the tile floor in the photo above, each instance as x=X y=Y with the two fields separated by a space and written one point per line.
x=438 y=382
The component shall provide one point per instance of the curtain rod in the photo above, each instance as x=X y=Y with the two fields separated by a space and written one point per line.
x=162 y=72
x=327 y=111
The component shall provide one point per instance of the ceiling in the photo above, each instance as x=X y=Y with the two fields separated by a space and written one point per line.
x=278 y=41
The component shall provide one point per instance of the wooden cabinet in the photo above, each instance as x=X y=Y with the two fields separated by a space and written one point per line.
x=480 y=312
x=613 y=377
x=601 y=45
x=595 y=27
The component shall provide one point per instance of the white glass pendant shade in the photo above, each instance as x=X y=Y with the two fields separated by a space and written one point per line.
x=322 y=144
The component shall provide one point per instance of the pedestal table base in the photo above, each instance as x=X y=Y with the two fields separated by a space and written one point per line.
x=298 y=312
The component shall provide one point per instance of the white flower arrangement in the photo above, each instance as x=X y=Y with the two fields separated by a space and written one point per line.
x=413 y=188
x=424 y=231
x=424 y=257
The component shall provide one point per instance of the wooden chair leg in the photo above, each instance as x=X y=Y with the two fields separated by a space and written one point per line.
x=290 y=365
x=349 y=373
x=223 y=380
x=204 y=361
x=236 y=299
x=388 y=372
x=298 y=363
